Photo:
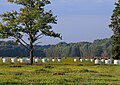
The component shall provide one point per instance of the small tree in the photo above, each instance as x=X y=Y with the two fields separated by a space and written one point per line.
x=31 y=21
x=115 y=25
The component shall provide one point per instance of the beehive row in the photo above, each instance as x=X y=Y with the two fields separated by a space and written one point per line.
x=27 y=60
x=99 y=61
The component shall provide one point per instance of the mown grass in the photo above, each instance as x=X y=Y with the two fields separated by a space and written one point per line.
x=59 y=73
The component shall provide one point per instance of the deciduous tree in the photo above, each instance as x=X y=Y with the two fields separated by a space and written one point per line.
x=31 y=21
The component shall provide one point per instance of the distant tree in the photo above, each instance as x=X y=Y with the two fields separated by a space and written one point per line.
x=31 y=21
x=115 y=26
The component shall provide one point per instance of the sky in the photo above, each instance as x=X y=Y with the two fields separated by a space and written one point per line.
x=78 y=20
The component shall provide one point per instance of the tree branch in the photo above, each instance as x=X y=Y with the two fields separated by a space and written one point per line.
x=24 y=46
x=38 y=39
x=20 y=38
x=21 y=43
x=24 y=41
x=38 y=36
x=37 y=43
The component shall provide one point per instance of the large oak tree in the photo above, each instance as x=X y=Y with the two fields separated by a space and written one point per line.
x=31 y=21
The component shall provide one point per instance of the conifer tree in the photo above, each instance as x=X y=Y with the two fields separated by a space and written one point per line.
x=115 y=26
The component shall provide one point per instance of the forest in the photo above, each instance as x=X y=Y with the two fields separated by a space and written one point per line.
x=97 y=48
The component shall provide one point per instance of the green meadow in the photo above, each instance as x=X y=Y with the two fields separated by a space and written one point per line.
x=66 y=72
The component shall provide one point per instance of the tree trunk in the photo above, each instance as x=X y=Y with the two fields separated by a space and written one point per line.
x=31 y=56
x=31 y=50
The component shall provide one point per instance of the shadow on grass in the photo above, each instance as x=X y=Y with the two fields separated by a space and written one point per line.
x=41 y=71
x=87 y=71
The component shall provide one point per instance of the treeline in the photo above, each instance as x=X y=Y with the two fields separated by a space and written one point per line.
x=11 y=49
x=99 y=47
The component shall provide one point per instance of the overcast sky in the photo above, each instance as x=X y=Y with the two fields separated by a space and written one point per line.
x=78 y=20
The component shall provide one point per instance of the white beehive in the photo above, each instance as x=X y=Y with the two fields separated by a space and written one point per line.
x=48 y=59
x=75 y=60
x=59 y=60
x=117 y=62
x=27 y=60
x=4 y=60
x=102 y=60
x=92 y=60
x=109 y=61
x=37 y=60
x=22 y=60
x=97 y=61
x=87 y=60
x=53 y=59
x=13 y=60
x=18 y=59
x=44 y=60
x=81 y=60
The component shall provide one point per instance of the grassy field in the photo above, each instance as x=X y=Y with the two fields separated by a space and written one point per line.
x=64 y=73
